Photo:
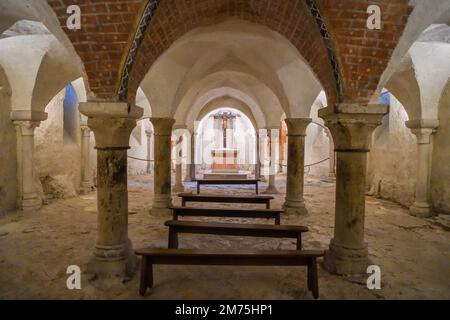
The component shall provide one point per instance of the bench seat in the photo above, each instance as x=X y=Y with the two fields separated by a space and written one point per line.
x=227 y=213
x=227 y=182
x=233 y=229
x=152 y=256
x=220 y=198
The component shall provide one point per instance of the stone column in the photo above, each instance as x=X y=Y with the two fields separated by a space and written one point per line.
x=258 y=156
x=179 y=165
x=295 y=203
x=86 y=184
x=351 y=127
x=332 y=156
x=273 y=135
x=423 y=130
x=149 y=135
x=112 y=124
x=190 y=167
x=28 y=197
x=280 y=151
x=162 y=178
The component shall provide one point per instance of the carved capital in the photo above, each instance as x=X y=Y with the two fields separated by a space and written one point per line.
x=26 y=128
x=351 y=126
x=111 y=122
x=162 y=126
x=297 y=126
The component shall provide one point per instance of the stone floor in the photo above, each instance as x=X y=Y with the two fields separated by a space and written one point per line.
x=36 y=248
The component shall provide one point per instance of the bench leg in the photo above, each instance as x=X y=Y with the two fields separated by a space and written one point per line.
x=173 y=239
x=278 y=220
x=268 y=205
x=313 y=280
x=299 y=241
x=146 y=275
x=183 y=203
x=257 y=190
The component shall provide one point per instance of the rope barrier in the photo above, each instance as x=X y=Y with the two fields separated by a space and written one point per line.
x=141 y=159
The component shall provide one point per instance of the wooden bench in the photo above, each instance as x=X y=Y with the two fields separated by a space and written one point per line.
x=233 y=229
x=151 y=257
x=220 y=198
x=227 y=213
x=227 y=182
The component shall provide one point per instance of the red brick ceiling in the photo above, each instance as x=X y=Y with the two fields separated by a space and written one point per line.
x=109 y=26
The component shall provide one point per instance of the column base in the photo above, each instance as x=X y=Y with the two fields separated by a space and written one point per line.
x=421 y=210
x=113 y=261
x=31 y=202
x=343 y=261
x=86 y=187
x=178 y=188
x=161 y=205
x=295 y=207
x=271 y=190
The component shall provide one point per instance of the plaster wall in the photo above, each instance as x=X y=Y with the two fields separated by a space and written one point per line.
x=316 y=150
x=8 y=154
x=440 y=173
x=392 y=164
x=57 y=160
x=138 y=148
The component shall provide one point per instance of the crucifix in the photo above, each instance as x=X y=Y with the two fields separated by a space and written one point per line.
x=225 y=116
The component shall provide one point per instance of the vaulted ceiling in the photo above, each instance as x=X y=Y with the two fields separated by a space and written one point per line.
x=120 y=41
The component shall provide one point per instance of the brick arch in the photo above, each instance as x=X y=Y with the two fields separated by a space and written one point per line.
x=292 y=19
x=363 y=54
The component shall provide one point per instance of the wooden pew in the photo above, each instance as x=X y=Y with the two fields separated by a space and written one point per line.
x=227 y=182
x=151 y=257
x=233 y=229
x=227 y=213
x=220 y=198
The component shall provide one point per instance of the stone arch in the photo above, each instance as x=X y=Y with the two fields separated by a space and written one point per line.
x=231 y=103
x=261 y=100
x=55 y=73
x=239 y=96
x=424 y=14
x=238 y=48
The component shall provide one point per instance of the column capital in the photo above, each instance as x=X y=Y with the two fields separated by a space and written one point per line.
x=297 y=126
x=423 y=129
x=351 y=125
x=26 y=128
x=28 y=115
x=162 y=126
x=111 y=122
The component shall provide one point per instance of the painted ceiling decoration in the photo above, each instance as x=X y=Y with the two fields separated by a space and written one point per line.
x=149 y=13
x=146 y=18
x=328 y=45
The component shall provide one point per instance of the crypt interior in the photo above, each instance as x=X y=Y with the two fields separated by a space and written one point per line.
x=346 y=127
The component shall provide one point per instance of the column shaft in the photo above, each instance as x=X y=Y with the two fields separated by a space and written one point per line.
x=424 y=130
x=28 y=196
x=149 y=151
x=332 y=156
x=295 y=203
x=273 y=135
x=190 y=166
x=86 y=185
x=179 y=165
x=162 y=200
